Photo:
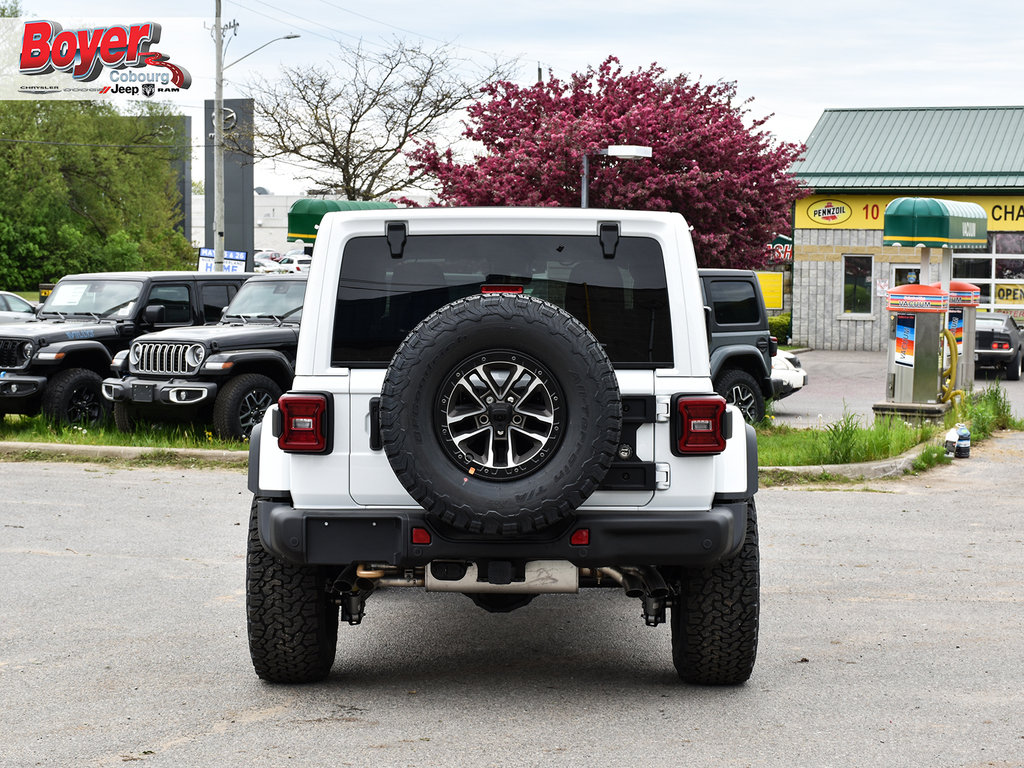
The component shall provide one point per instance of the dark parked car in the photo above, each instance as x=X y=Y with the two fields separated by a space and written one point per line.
x=55 y=364
x=740 y=344
x=227 y=374
x=999 y=343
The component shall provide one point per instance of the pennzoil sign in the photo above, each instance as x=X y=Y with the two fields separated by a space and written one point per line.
x=829 y=211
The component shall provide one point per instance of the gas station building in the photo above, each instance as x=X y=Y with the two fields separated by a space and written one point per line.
x=860 y=160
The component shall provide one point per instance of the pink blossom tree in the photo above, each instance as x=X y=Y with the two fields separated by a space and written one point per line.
x=728 y=179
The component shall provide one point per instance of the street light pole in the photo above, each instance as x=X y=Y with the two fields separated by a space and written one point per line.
x=218 y=146
x=218 y=132
x=624 y=151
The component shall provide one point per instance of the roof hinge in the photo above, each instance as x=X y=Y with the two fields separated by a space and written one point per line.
x=608 y=233
x=397 y=234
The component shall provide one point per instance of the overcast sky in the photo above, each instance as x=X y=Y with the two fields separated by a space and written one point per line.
x=794 y=59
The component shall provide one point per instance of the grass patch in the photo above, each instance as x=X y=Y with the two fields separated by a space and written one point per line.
x=36 y=429
x=846 y=441
x=984 y=412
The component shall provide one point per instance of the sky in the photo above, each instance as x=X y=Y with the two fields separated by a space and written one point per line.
x=793 y=59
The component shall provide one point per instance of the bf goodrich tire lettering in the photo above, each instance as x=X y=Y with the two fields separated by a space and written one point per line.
x=500 y=414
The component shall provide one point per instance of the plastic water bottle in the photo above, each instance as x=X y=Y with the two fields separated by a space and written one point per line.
x=950 y=442
x=963 y=442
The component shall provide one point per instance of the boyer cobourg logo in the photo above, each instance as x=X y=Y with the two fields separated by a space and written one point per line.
x=123 y=52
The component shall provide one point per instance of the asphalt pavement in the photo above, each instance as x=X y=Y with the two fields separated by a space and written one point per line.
x=851 y=382
x=890 y=636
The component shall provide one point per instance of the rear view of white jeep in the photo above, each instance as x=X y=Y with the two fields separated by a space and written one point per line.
x=503 y=403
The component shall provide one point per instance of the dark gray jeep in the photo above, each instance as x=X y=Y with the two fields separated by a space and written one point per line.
x=56 y=363
x=740 y=345
x=227 y=374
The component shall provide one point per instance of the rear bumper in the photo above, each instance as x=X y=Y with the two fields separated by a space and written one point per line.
x=994 y=358
x=340 y=537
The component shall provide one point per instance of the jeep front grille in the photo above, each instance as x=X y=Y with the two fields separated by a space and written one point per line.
x=10 y=357
x=165 y=359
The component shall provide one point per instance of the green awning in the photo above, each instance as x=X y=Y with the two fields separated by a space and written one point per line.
x=935 y=223
x=304 y=216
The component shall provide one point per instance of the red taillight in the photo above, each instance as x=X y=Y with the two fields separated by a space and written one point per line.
x=580 y=537
x=420 y=536
x=303 y=423
x=700 y=425
x=1000 y=345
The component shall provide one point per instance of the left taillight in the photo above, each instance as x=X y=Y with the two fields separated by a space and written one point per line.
x=303 y=423
x=701 y=425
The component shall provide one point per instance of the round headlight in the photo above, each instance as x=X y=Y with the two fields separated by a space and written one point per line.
x=135 y=354
x=26 y=351
x=195 y=355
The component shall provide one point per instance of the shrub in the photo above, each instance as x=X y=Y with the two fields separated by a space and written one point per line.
x=781 y=327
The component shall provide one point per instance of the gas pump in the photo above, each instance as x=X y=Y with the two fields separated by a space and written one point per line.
x=964 y=298
x=916 y=320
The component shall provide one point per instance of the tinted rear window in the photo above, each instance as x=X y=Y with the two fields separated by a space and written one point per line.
x=624 y=300
x=734 y=302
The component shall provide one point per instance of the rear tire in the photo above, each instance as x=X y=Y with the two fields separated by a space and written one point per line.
x=715 y=616
x=1013 y=368
x=740 y=389
x=292 y=622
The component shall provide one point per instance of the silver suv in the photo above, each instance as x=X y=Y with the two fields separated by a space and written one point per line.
x=503 y=403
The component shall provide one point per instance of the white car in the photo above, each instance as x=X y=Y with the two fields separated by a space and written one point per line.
x=14 y=309
x=294 y=264
x=787 y=374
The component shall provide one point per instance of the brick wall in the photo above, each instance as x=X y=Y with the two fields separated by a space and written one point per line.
x=818 y=317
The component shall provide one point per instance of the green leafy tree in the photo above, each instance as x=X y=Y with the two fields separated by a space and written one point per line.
x=84 y=188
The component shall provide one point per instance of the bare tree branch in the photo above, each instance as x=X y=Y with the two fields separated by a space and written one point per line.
x=352 y=121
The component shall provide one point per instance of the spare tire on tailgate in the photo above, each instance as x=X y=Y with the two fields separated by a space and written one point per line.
x=500 y=414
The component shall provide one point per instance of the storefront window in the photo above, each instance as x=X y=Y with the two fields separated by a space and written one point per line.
x=1009 y=269
x=857 y=284
x=968 y=268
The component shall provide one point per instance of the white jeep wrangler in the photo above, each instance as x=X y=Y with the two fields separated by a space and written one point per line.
x=503 y=403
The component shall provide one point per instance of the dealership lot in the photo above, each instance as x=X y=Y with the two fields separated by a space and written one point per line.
x=890 y=636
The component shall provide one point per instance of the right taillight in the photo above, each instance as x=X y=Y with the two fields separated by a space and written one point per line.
x=700 y=425
x=303 y=423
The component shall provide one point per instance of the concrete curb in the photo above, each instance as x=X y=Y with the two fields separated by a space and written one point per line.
x=869 y=470
x=126 y=452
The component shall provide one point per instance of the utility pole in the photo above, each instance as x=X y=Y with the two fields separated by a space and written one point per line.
x=218 y=141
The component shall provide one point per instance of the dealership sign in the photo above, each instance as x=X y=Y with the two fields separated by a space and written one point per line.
x=53 y=59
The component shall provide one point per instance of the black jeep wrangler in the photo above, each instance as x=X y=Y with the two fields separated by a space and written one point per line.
x=227 y=373
x=56 y=363
x=739 y=342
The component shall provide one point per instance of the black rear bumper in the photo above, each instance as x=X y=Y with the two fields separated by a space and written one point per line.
x=340 y=537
